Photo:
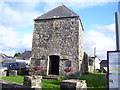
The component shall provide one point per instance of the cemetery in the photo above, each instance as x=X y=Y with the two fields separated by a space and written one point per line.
x=57 y=59
x=99 y=81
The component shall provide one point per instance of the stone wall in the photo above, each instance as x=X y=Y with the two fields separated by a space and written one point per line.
x=85 y=63
x=61 y=37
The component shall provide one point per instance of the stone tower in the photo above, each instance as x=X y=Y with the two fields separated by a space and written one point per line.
x=57 y=45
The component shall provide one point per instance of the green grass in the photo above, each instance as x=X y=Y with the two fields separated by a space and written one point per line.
x=17 y=79
x=45 y=83
x=94 y=80
x=51 y=84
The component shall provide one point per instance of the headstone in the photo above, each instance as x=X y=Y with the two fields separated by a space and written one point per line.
x=12 y=72
x=3 y=73
x=33 y=81
x=22 y=72
x=73 y=85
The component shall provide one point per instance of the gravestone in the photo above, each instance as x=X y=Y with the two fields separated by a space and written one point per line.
x=3 y=73
x=33 y=81
x=12 y=72
x=73 y=85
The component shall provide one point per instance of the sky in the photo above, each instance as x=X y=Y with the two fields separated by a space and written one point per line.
x=17 y=23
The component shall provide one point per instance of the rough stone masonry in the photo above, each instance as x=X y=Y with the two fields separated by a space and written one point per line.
x=57 y=45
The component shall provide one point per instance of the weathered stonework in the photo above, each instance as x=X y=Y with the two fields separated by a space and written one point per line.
x=12 y=72
x=73 y=85
x=3 y=73
x=59 y=39
x=32 y=81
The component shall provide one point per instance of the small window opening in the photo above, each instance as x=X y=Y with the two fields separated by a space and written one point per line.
x=68 y=63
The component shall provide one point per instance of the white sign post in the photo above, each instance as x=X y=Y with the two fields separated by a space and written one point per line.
x=113 y=58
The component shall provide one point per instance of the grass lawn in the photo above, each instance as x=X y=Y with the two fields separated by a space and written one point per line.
x=17 y=79
x=94 y=80
x=53 y=84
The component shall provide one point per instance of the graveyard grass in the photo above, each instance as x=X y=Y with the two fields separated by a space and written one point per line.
x=94 y=80
x=17 y=79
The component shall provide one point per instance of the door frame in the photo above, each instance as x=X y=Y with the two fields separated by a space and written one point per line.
x=49 y=61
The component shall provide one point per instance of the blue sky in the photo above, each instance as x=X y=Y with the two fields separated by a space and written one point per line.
x=17 y=23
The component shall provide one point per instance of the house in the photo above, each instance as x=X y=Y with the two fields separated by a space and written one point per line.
x=57 y=45
x=26 y=55
x=103 y=66
x=97 y=63
x=94 y=64
x=91 y=64
x=5 y=58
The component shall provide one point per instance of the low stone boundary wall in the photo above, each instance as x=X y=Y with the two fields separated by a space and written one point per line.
x=73 y=85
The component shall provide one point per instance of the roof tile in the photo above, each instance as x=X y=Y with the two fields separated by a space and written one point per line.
x=58 y=12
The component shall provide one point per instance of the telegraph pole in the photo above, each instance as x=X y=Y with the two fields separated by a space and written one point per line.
x=94 y=56
x=117 y=21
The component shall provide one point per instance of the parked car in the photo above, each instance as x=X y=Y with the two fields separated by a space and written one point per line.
x=3 y=69
x=13 y=66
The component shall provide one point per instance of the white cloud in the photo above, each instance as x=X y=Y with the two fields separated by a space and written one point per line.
x=24 y=6
x=50 y=6
x=11 y=43
x=99 y=39
x=8 y=40
x=22 y=15
x=8 y=52
x=27 y=41
x=8 y=37
x=75 y=4
x=71 y=0
x=110 y=27
x=12 y=17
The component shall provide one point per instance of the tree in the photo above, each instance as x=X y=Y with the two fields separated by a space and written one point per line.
x=17 y=54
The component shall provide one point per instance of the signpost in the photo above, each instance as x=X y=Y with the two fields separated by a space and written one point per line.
x=113 y=58
x=117 y=19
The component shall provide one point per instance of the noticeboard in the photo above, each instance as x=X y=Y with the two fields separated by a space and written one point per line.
x=113 y=74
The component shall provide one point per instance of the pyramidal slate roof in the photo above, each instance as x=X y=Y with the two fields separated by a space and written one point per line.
x=58 y=12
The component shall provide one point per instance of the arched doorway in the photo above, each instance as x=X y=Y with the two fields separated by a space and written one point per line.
x=54 y=64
